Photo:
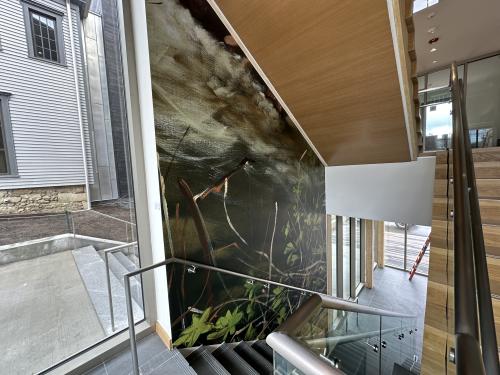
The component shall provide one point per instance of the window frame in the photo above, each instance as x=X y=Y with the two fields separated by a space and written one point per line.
x=30 y=6
x=6 y=129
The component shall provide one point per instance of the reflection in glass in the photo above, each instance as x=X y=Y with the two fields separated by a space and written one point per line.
x=358 y=253
x=483 y=96
x=346 y=268
x=334 y=255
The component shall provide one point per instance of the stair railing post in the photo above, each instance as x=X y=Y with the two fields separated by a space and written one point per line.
x=131 y=326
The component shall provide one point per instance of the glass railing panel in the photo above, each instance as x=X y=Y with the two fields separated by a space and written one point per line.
x=349 y=341
x=399 y=345
x=284 y=367
x=210 y=307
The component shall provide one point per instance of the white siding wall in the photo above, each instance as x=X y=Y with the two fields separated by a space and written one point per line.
x=43 y=105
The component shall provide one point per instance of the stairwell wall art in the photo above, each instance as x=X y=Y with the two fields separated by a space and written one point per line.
x=241 y=189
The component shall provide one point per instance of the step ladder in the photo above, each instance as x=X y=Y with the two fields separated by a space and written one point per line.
x=419 y=257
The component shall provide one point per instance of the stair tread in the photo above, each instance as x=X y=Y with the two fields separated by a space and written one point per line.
x=92 y=270
x=232 y=361
x=119 y=270
x=204 y=363
x=254 y=358
x=265 y=350
x=125 y=261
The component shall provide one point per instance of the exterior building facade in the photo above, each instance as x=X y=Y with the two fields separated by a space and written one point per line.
x=57 y=139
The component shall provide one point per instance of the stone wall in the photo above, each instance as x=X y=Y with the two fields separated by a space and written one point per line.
x=42 y=200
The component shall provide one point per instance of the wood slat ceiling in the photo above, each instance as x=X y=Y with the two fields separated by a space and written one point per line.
x=332 y=62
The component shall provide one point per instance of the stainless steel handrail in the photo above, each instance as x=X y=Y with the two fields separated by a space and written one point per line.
x=307 y=308
x=471 y=273
x=108 y=277
x=302 y=315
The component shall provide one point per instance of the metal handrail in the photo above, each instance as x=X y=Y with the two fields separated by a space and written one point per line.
x=303 y=312
x=472 y=290
x=108 y=277
x=285 y=332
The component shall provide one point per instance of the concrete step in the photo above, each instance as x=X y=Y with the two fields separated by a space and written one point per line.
x=490 y=210
x=93 y=273
x=487 y=188
x=119 y=270
x=478 y=154
x=126 y=261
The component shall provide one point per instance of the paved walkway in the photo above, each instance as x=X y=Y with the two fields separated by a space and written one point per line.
x=45 y=314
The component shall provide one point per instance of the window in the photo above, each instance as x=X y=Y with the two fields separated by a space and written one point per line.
x=7 y=156
x=44 y=32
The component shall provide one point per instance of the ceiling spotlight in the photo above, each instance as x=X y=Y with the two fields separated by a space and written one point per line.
x=433 y=40
x=434 y=61
x=432 y=30
x=434 y=49
x=431 y=15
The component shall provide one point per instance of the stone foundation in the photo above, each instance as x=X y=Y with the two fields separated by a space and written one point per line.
x=42 y=200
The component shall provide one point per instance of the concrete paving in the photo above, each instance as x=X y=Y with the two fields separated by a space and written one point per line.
x=46 y=314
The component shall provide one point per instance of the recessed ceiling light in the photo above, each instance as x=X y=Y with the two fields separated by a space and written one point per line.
x=433 y=40
x=434 y=49
x=434 y=61
x=432 y=30
x=431 y=15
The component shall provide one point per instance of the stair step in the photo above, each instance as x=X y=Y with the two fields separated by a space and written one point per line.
x=491 y=236
x=478 y=154
x=256 y=360
x=435 y=311
x=443 y=259
x=482 y=169
x=92 y=270
x=265 y=350
x=204 y=363
x=125 y=261
x=119 y=270
x=490 y=210
x=232 y=361
x=487 y=188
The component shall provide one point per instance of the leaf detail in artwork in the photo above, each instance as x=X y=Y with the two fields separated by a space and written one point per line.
x=198 y=327
x=226 y=325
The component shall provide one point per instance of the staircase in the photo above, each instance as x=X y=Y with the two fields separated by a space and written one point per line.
x=439 y=315
x=245 y=358
x=92 y=269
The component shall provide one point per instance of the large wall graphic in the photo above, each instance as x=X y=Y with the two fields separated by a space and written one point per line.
x=241 y=188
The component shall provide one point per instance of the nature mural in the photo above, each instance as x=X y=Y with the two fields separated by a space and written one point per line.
x=241 y=189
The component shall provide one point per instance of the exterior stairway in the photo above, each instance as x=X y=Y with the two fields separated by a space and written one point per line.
x=439 y=315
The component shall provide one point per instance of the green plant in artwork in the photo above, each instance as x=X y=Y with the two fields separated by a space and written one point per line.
x=199 y=325
x=226 y=325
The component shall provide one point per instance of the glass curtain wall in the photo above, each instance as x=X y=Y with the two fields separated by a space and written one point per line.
x=67 y=217
x=348 y=256
x=403 y=243
x=334 y=254
x=482 y=91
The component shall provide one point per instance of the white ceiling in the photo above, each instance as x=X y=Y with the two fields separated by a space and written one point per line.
x=466 y=29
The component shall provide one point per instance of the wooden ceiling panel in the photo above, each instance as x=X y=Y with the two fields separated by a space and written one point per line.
x=332 y=63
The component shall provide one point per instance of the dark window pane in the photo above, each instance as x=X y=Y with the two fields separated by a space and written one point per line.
x=44 y=36
x=47 y=54
x=3 y=162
